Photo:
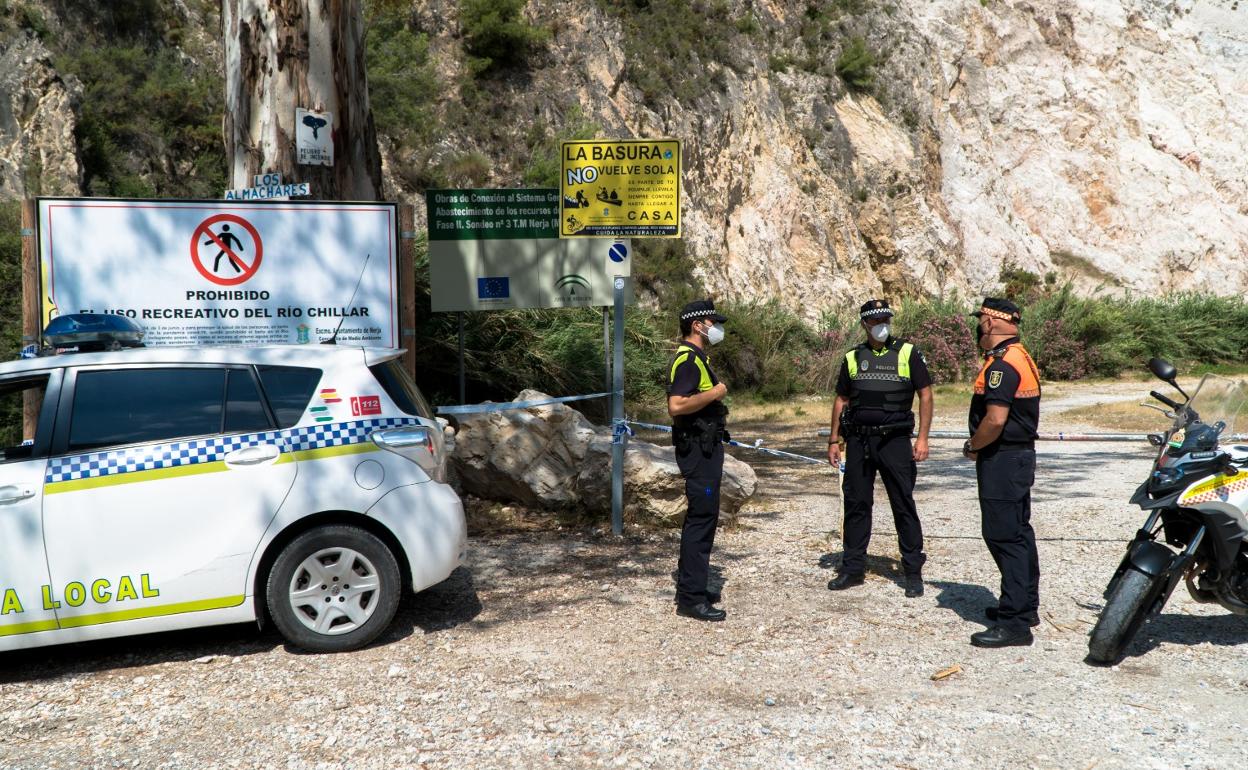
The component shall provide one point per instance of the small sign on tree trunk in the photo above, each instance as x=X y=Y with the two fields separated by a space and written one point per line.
x=314 y=137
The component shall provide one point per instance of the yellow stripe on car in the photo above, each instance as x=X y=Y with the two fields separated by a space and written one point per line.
x=136 y=613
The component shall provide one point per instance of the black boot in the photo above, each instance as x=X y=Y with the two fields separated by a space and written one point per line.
x=845 y=580
x=914 y=586
x=1003 y=636
x=702 y=611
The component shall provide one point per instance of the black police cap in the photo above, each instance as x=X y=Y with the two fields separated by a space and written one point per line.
x=996 y=307
x=699 y=309
x=875 y=308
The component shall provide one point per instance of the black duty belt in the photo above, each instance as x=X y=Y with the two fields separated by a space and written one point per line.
x=877 y=430
x=1006 y=446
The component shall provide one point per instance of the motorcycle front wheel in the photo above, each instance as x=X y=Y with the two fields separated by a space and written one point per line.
x=1125 y=611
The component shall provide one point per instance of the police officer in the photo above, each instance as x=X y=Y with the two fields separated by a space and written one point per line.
x=695 y=403
x=1004 y=418
x=873 y=411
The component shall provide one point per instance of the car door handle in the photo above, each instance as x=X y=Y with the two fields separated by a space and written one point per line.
x=13 y=494
x=254 y=455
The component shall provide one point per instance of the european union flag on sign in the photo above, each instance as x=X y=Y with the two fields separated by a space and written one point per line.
x=493 y=288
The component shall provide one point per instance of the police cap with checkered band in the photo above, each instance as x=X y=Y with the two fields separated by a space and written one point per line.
x=875 y=308
x=700 y=309
x=995 y=307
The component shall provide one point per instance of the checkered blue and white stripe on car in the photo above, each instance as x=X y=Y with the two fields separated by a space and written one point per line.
x=332 y=434
x=182 y=453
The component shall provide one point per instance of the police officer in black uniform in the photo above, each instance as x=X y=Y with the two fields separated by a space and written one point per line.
x=1004 y=418
x=695 y=403
x=873 y=411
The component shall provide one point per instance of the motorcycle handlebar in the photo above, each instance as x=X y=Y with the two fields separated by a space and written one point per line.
x=1165 y=400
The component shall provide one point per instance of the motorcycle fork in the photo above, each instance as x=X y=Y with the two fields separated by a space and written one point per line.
x=1144 y=533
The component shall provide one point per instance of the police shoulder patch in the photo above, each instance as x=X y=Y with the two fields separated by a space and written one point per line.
x=994 y=379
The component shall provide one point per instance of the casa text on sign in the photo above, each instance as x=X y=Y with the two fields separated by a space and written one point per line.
x=620 y=188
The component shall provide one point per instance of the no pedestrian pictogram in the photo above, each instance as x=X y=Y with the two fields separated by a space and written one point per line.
x=222 y=254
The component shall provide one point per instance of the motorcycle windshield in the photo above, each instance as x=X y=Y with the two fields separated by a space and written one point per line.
x=1216 y=413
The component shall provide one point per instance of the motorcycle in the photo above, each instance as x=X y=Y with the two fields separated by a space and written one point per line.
x=1196 y=497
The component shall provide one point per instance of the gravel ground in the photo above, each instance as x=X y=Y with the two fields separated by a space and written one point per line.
x=561 y=649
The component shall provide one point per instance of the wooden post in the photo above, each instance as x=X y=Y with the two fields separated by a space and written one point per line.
x=32 y=307
x=407 y=285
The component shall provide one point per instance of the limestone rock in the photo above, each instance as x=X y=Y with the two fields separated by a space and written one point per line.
x=654 y=491
x=527 y=456
x=553 y=458
x=38 y=149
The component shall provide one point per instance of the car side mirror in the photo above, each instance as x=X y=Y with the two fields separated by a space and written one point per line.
x=1162 y=370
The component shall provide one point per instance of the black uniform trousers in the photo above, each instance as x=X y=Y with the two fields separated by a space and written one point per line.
x=703 y=474
x=891 y=455
x=1005 y=479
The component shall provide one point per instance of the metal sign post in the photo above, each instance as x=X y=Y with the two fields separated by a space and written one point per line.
x=619 y=437
x=606 y=348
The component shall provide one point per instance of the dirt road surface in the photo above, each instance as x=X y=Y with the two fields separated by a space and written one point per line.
x=560 y=648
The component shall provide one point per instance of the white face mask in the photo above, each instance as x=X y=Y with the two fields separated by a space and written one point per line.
x=880 y=332
x=715 y=334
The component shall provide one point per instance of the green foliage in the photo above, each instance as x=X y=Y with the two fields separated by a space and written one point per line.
x=763 y=349
x=856 y=65
x=31 y=18
x=10 y=303
x=545 y=163
x=402 y=81
x=663 y=268
x=10 y=279
x=671 y=48
x=141 y=110
x=496 y=34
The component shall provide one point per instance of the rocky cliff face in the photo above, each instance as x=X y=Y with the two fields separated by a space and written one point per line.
x=1103 y=140
x=38 y=150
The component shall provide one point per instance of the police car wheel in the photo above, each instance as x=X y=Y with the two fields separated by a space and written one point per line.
x=333 y=589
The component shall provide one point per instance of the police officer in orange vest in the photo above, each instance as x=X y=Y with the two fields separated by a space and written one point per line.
x=873 y=410
x=695 y=404
x=1004 y=419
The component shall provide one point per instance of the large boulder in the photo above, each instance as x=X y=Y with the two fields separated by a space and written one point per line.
x=526 y=456
x=552 y=457
x=654 y=492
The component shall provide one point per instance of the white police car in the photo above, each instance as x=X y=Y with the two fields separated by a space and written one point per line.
x=166 y=488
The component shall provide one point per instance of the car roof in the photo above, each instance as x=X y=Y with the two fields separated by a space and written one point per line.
x=320 y=356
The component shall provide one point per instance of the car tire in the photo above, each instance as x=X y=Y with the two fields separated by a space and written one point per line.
x=334 y=588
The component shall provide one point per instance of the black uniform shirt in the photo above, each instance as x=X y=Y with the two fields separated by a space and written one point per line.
x=686 y=380
x=1002 y=382
x=919 y=377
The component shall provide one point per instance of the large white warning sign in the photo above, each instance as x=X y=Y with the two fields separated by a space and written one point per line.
x=219 y=272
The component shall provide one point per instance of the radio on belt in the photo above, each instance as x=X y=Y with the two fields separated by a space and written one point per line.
x=90 y=333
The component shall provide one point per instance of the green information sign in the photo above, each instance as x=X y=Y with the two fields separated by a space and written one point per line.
x=500 y=249
x=501 y=214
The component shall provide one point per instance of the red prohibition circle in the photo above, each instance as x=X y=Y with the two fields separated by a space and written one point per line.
x=205 y=230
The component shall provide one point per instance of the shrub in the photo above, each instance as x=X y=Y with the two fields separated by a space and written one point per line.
x=497 y=35
x=948 y=346
x=670 y=48
x=1059 y=354
x=764 y=349
x=141 y=110
x=402 y=81
x=545 y=162
x=856 y=65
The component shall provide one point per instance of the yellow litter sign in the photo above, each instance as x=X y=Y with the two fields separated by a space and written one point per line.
x=620 y=189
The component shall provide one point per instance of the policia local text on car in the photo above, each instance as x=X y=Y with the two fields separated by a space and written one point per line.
x=1004 y=419
x=873 y=411
x=695 y=403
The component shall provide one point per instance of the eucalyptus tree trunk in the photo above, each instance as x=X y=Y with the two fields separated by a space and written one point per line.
x=281 y=55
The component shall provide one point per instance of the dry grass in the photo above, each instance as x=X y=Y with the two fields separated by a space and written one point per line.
x=1127 y=416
